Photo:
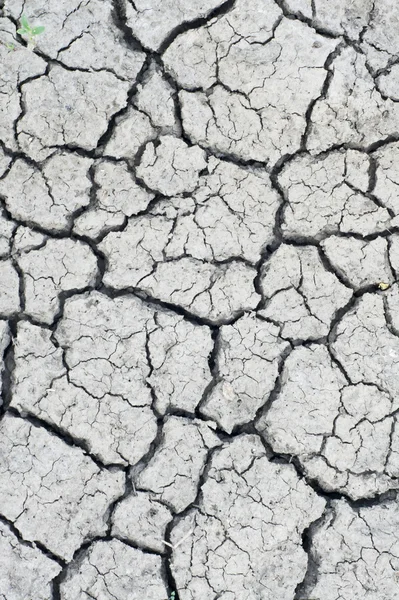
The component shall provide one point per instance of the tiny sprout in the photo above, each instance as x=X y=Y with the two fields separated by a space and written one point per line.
x=10 y=47
x=172 y=595
x=383 y=286
x=29 y=32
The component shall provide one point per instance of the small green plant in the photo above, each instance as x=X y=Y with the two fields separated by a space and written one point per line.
x=10 y=47
x=29 y=32
x=172 y=596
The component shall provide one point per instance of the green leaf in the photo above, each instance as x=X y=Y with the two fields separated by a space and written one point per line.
x=22 y=31
x=25 y=22
x=37 y=30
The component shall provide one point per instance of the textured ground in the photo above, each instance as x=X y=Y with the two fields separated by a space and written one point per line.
x=199 y=307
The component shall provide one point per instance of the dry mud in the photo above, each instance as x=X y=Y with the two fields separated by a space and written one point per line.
x=199 y=307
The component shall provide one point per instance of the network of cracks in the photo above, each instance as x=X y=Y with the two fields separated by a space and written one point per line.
x=199 y=300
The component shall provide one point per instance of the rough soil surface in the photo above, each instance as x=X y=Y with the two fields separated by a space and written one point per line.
x=199 y=300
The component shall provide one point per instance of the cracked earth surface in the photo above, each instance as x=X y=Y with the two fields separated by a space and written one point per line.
x=199 y=300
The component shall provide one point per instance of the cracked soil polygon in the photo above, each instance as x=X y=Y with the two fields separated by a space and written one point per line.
x=249 y=352
x=65 y=109
x=47 y=198
x=59 y=266
x=142 y=519
x=55 y=495
x=353 y=111
x=81 y=35
x=328 y=195
x=199 y=300
x=132 y=129
x=106 y=401
x=152 y=23
x=110 y=570
x=245 y=534
x=155 y=97
x=360 y=262
x=301 y=295
x=17 y=67
x=257 y=91
x=356 y=552
x=117 y=196
x=28 y=572
x=173 y=473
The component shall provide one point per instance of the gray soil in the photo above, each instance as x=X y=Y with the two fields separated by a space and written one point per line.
x=199 y=300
